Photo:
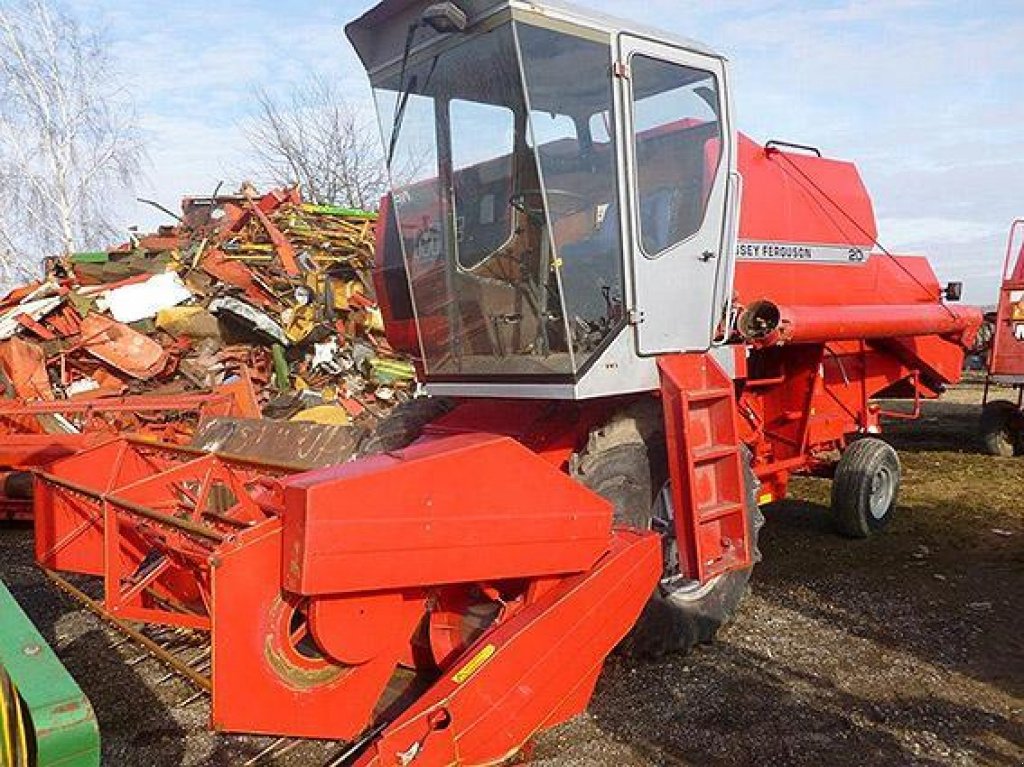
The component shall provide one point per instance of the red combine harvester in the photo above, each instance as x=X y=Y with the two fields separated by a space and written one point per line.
x=636 y=326
x=1002 y=421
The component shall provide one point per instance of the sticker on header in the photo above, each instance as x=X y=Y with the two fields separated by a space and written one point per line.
x=751 y=250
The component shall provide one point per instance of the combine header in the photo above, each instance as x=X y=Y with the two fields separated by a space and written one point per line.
x=34 y=434
x=636 y=326
x=389 y=578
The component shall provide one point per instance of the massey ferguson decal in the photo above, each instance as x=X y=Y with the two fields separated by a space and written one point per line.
x=790 y=251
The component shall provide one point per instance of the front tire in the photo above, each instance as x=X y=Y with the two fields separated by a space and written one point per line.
x=624 y=461
x=865 y=488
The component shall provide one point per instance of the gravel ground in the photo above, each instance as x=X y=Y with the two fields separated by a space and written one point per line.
x=904 y=649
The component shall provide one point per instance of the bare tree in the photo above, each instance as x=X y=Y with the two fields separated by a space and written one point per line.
x=314 y=137
x=68 y=137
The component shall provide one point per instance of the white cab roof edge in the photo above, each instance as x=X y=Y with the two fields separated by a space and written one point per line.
x=378 y=34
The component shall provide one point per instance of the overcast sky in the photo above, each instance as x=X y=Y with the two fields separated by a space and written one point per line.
x=926 y=96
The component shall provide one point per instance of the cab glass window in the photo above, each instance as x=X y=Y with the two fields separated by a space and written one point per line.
x=569 y=86
x=482 y=143
x=678 y=144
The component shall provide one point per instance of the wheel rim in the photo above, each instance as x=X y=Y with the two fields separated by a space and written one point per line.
x=883 y=487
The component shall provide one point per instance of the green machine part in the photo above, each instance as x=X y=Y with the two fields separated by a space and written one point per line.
x=45 y=719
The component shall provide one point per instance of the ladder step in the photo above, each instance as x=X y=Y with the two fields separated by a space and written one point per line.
x=703 y=395
x=713 y=453
x=719 y=510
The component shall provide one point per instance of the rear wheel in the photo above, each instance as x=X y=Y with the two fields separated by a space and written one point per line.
x=625 y=462
x=865 y=488
x=1002 y=428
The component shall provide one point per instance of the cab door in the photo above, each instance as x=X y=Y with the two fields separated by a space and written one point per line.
x=683 y=193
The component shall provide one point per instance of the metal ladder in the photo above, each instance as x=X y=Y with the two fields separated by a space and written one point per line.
x=709 y=492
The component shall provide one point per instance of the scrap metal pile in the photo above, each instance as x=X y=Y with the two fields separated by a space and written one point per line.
x=265 y=289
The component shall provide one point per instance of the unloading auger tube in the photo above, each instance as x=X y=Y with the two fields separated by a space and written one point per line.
x=764 y=323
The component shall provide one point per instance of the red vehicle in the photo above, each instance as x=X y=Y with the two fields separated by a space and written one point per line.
x=1002 y=420
x=636 y=326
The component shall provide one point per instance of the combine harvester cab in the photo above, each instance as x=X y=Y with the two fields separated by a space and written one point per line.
x=636 y=326
x=1002 y=420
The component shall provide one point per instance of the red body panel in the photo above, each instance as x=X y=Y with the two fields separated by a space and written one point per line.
x=419 y=517
x=1007 y=358
x=880 y=280
x=801 y=198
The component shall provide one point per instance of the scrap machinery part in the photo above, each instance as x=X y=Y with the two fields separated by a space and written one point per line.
x=378 y=592
x=45 y=719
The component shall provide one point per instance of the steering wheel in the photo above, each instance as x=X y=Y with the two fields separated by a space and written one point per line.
x=576 y=203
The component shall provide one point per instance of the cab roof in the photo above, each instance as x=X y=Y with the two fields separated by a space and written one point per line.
x=379 y=34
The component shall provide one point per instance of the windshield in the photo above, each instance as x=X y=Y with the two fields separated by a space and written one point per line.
x=506 y=201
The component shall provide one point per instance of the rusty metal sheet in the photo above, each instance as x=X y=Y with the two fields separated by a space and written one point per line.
x=24 y=366
x=299 y=444
x=220 y=267
x=125 y=349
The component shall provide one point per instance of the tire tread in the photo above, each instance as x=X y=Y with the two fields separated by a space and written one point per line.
x=852 y=483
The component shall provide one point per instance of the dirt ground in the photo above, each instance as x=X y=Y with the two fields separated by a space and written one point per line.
x=905 y=649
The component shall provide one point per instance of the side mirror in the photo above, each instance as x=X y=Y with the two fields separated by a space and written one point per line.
x=954 y=291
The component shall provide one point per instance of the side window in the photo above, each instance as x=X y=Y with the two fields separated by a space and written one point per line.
x=601 y=128
x=552 y=132
x=678 y=139
x=417 y=198
x=482 y=144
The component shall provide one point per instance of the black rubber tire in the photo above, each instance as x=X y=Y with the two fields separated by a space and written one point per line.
x=1002 y=428
x=624 y=461
x=864 y=463
x=403 y=425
